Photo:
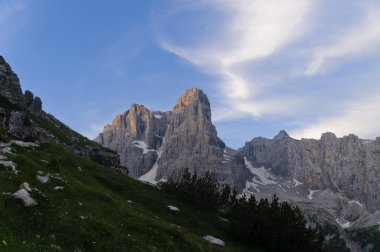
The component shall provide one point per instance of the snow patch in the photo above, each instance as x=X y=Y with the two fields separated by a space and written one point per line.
x=213 y=240
x=173 y=208
x=297 y=183
x=23 y=195
x=356 y=202
x=246 y=190
x=262 y=176
x=343 y=225
x=158 y=116
x=152 y=173
x=311 y=193
x=279 y=185
x=142 y=145
x=43 y=179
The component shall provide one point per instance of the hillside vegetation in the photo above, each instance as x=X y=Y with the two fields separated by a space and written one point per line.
x=87 y=207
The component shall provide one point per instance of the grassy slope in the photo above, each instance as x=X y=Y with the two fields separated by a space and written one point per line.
x=93 y=212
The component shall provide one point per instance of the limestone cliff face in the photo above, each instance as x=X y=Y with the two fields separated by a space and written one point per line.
x=136 y=135
x=349 y=165
x=161 y=145
x=191 y=140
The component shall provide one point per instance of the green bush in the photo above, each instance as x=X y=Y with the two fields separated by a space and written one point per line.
x=204 y=192
x=273 y=225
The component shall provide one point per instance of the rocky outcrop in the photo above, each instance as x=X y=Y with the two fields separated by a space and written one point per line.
x=191 y=142
x=36 y=105
x=22 y=116
x=349 y=165
x=9 y=84
x=103 y=157
x=136 y=135
x=161 y=145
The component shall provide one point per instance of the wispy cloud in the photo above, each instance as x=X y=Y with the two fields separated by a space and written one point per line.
x=360 y=40
x=360 y=117
x=250 y=30
x=231 y=40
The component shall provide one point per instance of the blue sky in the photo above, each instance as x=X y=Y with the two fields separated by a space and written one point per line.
x=303 y=66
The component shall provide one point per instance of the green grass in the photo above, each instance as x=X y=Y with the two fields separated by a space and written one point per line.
x=64 y=134
x=92 y=213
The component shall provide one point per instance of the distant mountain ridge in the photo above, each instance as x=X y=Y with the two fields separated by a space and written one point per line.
x=335 y=181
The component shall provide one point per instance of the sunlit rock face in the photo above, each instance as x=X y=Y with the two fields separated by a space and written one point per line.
x=184 y=138
x=191 y=142
x=136 y=135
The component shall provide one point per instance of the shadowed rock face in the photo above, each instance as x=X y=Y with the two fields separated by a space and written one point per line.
x=9 y=84
x=347 y=165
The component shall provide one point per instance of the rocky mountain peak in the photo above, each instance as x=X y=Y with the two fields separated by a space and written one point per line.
x=10 y=88
x=136 y=135
x=192 y=110
x=328 y=136
x=194 y=99
x=3 y=63
x=192 y=96
x=9 y=84
x=281 y=135
x=158 y=145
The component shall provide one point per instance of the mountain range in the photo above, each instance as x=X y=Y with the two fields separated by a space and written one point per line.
x=335 y=181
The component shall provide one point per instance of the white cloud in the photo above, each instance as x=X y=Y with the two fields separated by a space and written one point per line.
x=361 y=39
x=239 y=35
x=361 y=118
x=252 y=30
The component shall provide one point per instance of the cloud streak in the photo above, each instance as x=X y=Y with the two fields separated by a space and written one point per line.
x=361 y=117
x=252 y=30
x=239 y=36
x=360 y=40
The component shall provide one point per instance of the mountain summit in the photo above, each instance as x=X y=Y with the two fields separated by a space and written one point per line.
x=167 y=143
